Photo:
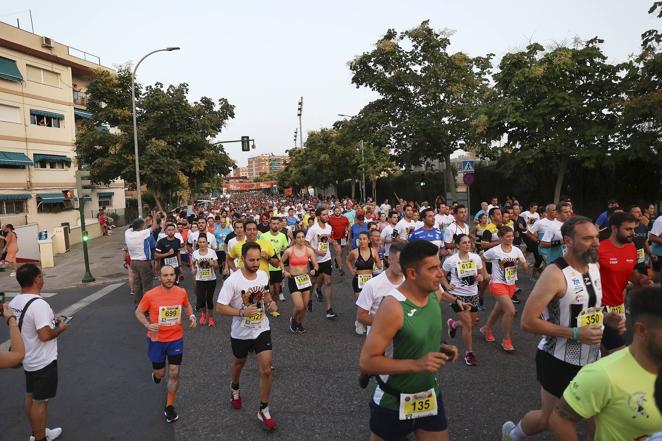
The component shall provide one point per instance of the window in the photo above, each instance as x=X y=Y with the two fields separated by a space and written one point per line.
x=106 y=201
x=9 y=113
x=54 y=207
x=44 y=121
x=60 y=165
x=43 y=76
x=13 y=207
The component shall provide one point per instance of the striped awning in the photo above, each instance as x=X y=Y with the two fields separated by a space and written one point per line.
x=9 y=71
x=46 y=113
x=40 y=157
x=15 y=158
x=15 y=197
x=105 y=194
x=51 y=198
x=83 y=113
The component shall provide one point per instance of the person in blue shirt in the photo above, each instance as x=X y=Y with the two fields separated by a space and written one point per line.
x=603 y=220
x=428 y=231
x=292 y=219
x=350 y=213
x=357 y=228
x=483 y=211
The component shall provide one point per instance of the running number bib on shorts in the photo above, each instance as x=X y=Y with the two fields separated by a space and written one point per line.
x=641 y=256
x=171 y=261
x=323 y=246
x=590 y=317
x=169 y=315
x=302 y=281
x=253 y=322
x=418 y=405
x=467 y=269
x=511 y=274
x=363 y=279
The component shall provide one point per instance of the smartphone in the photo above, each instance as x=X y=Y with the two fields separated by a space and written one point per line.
x=66 y=319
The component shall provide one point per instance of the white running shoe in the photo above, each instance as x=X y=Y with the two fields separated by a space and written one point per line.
x=281 y=297
x=359 y=327
x=51 y=434
x=507 y=427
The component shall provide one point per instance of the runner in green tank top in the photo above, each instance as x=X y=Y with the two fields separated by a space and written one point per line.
x=404 y=349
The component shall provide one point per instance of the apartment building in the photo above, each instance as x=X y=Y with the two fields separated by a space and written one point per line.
x=266 y=163
x=42 y=98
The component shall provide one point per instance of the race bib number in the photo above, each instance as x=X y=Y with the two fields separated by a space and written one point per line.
x=172 y=261
x=511 y=274
x=253 y=322
x=467 y=269
x=302 y=281
x=618 y=309
x=418 y=405
x=590 y=317
x=343 y=242
x=323 y=246
x=205 y=273
x=170 y=315
x=363 y=279
x=641 y=257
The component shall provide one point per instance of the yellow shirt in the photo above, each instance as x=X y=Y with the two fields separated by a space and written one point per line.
x=266 y=247
x=619 y=393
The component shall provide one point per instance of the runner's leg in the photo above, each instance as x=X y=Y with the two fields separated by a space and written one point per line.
x=264 y=360
x=326 y=289
x=536 y=421
x=464 y=321
x=508 y=313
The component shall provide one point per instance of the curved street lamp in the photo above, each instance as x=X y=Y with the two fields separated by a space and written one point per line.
x=135 y=124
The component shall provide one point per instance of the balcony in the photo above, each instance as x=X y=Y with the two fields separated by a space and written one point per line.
x=80 y=98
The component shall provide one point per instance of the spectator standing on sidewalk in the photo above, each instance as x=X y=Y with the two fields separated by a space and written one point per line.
x=39 y=329
x=139 y=244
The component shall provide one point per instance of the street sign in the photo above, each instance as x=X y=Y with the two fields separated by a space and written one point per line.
x=467 y=166
x=469 y=179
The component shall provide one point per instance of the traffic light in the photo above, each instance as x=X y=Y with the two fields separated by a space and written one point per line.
x=68 y=194
x=86 y=236
x=245 y=143
x=83 y=183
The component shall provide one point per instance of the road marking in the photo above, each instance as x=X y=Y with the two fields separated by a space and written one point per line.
x=82 y=303
x=11 y=295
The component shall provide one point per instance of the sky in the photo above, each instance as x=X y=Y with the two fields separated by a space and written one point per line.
x=263 y=55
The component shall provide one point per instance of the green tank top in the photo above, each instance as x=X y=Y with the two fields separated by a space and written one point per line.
x=419 y=335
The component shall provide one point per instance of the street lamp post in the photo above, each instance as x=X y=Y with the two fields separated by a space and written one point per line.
x=299 y=114
x=362 y=161
x=135 y=124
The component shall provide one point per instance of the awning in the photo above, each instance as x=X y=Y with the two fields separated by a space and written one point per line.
x=106 y=194
x=9 y=71
x=51 y=198
x=83 y=113
x=39 y=157
x=46 y=113
x=15 y=158
x=15 y=197
x=86 y=199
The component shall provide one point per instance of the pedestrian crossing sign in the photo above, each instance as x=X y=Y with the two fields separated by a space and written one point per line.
x=467 y=166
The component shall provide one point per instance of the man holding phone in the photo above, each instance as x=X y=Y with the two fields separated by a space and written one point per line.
x=39 y=328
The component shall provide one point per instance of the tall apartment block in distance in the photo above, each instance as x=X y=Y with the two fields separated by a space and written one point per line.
x=266 y=163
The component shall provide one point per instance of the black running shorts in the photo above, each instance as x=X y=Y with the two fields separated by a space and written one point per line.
x=241 y=348
x=553 y=374
x=42 y=384
x=386 y=423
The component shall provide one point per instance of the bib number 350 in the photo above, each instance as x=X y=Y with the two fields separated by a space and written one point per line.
x=418 y=405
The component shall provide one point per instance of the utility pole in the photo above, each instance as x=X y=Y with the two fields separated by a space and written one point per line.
x=83 y=188
x=299 y=113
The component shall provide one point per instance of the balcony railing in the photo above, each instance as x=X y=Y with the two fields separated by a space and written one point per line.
x=80 y=98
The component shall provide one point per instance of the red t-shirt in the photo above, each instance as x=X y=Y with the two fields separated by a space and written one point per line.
x=339 y=225
x=616 y=267
x=166 y=307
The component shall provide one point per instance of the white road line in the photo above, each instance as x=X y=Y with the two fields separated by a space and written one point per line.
x=11 y=295
x=82 y=303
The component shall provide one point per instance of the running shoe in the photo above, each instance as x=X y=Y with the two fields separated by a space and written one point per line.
x=341 y=271
x=330 y=313
x=310 y=305
x=235 y=399
x=507 y=427
x=264 y=416
x=452 y=330
x=156 y=380
x=300 y=328
x=516 y=299
x=507 y=345
x=320 y=296
x=359 y=327
x=487 y=333
x=212 y=323
x=12 y=274
x=203 y=318
x=293 y=326
x=281 y=297
x=51 y=434
x=170 y=414
x=470 y=359
x=275 y=314
x=482 y=307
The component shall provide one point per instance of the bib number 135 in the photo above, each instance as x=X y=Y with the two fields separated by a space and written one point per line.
x=418 y=405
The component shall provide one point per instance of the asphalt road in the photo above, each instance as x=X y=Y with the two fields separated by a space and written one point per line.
x=105 y=391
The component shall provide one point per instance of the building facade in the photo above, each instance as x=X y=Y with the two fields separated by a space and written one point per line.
x=266 y=163
x=42 y=98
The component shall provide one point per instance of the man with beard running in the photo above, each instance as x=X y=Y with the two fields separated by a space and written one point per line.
x=618 y=258
x=565 y=307
x=279 y=243
x=318 y=238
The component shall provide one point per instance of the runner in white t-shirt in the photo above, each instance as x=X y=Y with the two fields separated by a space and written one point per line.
x=204 y=264
x=319 y=237
x=406 y=225
x=245 y=297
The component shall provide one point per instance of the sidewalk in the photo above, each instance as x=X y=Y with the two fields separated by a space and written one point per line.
x=106 y=260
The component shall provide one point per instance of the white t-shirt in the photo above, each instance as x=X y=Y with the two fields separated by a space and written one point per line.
x=502 y=263
x=193 y=239
x=463 y=273
x=137 y=244
x=38 y=354
x=203 y=265
x=375 y=290
x=405 y=228
x=387 y=232
x=553 y=231
x=442 y=221
x=529 y=218
x=239 y=291
x=541 y=226
x=318 y=238
x=385 y=208
x=454 y=229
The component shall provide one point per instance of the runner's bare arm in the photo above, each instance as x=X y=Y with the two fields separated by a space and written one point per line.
x=550 y=285
x=313 y=261
x=363 y=316
x=351 y=258
x=562 y=422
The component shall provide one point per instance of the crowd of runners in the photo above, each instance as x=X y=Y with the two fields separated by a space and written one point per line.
x=266 y=255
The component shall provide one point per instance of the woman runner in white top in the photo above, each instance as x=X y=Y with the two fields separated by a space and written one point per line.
x=467 y=272
x=203 y=269
x=298 y=257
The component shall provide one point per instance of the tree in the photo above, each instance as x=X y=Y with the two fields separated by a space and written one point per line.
x=175 y=136
x=429 y=97
x=553 y=106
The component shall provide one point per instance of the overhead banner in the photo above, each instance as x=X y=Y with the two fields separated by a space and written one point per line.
x=249 y=186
